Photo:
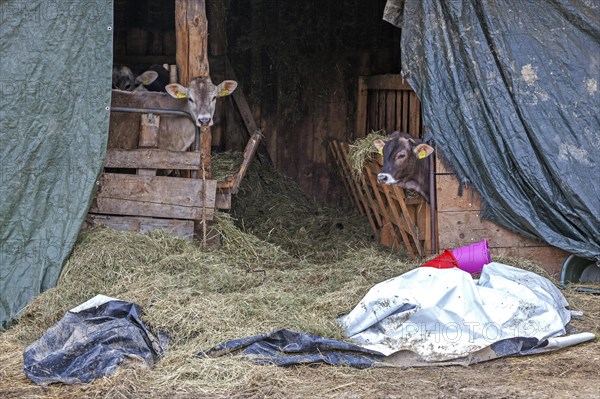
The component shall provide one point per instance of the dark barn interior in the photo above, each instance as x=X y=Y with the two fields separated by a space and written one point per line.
x=297 y=63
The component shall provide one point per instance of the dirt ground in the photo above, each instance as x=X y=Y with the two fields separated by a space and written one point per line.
x=571 y=373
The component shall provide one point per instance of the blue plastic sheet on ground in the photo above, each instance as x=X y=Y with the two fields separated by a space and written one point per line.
x=286 y=347
x=90 y=344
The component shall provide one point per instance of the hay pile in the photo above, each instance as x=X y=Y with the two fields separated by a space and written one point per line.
x=285 y=262
x=302 y=266
x=363 y=150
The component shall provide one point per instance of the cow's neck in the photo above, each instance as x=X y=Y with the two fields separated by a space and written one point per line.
x=419 y=179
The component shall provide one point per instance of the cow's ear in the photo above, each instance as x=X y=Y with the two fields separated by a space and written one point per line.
x=176 y=90
x=379 y=144
x=226 y=87
x=423 y=150
x=146 y=78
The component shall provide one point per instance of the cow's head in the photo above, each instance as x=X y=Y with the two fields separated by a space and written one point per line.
x=201 y=96
x=404 y=162
x=123 y=78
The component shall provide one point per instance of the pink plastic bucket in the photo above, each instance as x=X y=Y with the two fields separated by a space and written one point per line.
x=472 y=258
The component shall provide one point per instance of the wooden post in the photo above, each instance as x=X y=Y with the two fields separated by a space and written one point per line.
x=149 y=138
x=217 y=48
x=361 y=108
x=191 y=32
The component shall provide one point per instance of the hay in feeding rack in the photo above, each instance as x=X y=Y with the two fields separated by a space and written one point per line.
x=363 y=150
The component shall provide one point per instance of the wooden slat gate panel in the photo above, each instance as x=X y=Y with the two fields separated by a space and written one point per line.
x=388 y=103
x=397 y=220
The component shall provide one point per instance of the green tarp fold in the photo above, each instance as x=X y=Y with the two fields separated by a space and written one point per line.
x=55 y=86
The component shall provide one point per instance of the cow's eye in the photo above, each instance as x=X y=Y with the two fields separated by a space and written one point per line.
x=190 y=100
x=400 y=155
x=214 y=98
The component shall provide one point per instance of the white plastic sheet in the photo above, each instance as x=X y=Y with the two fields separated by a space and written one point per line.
x=441 y=315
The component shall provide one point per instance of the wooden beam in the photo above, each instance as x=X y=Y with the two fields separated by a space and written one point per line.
x=386 y=82
x=191 y=32
x=249 y=153
x=157 y=196
x=152 y=159
x=148 y=138
x=179 y=228
x=361 y=108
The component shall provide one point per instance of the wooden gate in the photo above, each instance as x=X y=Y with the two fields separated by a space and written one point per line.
x=398 y=218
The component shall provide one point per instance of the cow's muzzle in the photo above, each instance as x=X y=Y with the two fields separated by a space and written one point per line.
x=385 y=178
x=204 y=121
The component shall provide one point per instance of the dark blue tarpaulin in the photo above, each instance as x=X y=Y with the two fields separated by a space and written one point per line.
x=510 y=93
x=286 y=347
x=91 y=344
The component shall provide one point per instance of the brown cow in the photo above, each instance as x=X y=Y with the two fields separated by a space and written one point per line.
x=405 y=163
x=176 y=133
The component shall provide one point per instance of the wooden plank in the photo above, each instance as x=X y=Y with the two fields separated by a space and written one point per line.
x=216 y=13
x=191 y=32
x=390 y=111
x=361 y=108
x=191 y=29
x=182 y=41
x=414 y=123
x=129 y=207
x=155 y=196
x=249 y=153
x=205 y=172
x=346 y=169
x=406 y=214
x=361 y=195
x=387 y=82
x=383 y=209
x=152 y=159
x=342 y=168
x=466 y=227
x=372 y=111
x=149 y=127
x=179 y=228
x=148 y=138
x=223 y=199
x=405 y=102
x=242 y=104
x=159 y=189
x=398 y=111
x=371 y=202
x=448 y=198
x=400 y=222
x=381 y=108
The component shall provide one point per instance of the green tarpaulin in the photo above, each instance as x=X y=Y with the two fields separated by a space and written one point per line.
x=55 y=82
x=509 y=90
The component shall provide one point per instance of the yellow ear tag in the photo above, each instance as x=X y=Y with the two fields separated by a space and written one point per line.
x=180 y=94
x=422 y=154
x=381 y=151
x=224 y=93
